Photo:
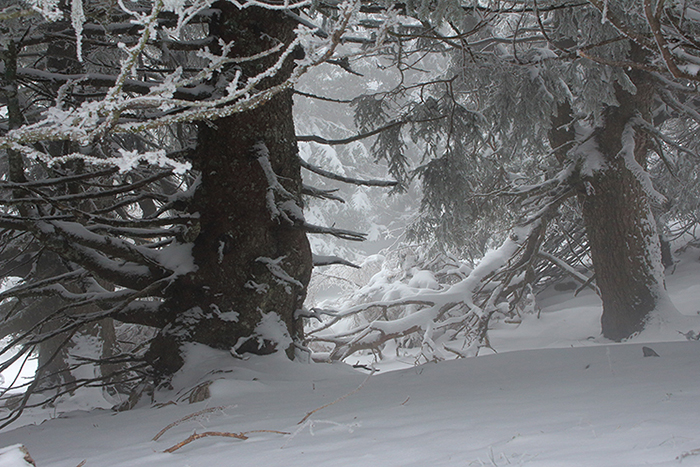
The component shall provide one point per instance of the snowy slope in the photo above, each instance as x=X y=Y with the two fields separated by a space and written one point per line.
x=596 y=406
x=569 y=399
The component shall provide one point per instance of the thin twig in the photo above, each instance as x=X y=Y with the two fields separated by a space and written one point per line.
x=306 y=417
x=188 y=417
x=693 y=452
x=242 y=436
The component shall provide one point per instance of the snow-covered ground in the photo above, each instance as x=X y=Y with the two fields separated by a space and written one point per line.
x=557 y=394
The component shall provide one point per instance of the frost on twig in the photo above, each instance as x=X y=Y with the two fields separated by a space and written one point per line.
x=307 y=422
x=77 y=21
x=310 y=424
x=195 y=436
x=93 y=120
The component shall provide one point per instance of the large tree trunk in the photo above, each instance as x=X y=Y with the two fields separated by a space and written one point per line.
x=621 y=230
x=251 y=262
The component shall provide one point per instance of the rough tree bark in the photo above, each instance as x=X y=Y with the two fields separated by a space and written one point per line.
x=250 y=262
x=620 y=226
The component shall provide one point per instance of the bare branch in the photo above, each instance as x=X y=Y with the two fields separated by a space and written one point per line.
x=341 y=178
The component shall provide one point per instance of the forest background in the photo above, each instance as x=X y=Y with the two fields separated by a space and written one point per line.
x=153 y=195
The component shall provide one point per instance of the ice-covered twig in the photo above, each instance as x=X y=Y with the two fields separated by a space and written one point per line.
x=94 y=119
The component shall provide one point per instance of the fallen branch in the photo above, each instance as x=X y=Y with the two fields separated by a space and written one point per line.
x=693 y=452
x=225 y=434
x=195 y=436
x=306 y=417
x=188 y=417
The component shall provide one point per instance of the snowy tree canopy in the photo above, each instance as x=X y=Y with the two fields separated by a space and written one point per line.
x=545 y=114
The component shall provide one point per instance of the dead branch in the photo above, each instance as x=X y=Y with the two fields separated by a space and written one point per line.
x=351 y=139
x=195 y=436
x=339 y=233
x=188 y=417
x=693 y=452
x=585 y=281
x=320 y=260
x=306 y=417
x=340 y=178
x=242 y=436
x=321 y=194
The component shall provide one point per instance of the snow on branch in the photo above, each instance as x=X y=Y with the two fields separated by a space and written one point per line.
x=627 y=154
x=94 y=119
x=309 y=190
x=340 y=178
x=49 y=9
x=653 y=16
x=459 y=312
x=287 y=210
x=320 y=260
x=585 y=281
x=281 y=276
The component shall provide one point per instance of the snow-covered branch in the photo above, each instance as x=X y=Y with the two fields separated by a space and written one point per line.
x=95 y=119
x=341 y=178
x=452 y=315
